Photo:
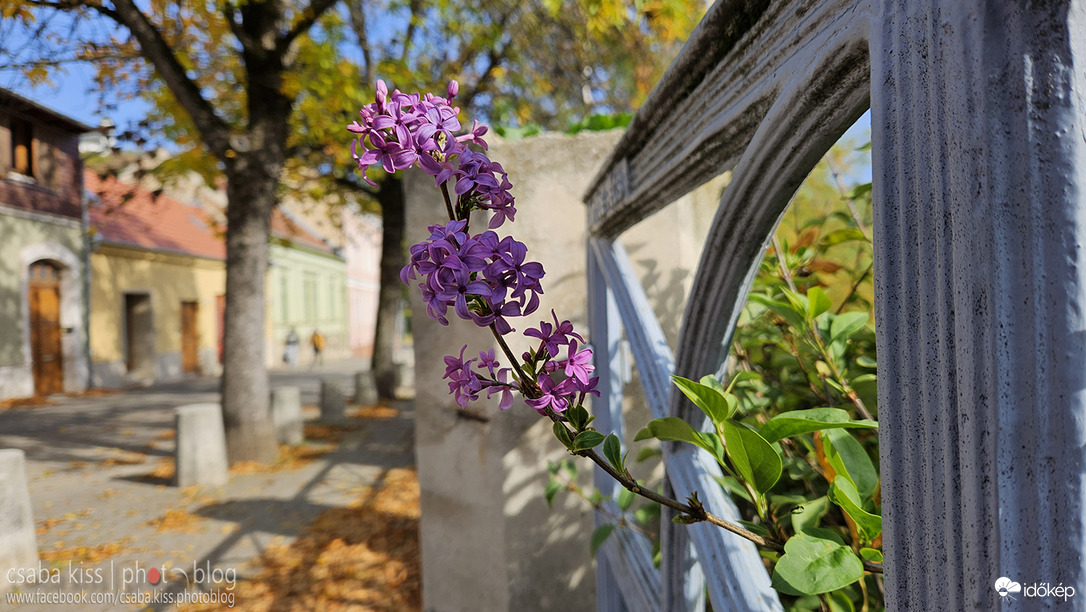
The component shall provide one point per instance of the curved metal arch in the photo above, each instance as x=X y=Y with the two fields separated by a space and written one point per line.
x=803 y=123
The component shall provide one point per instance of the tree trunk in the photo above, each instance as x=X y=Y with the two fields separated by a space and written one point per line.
x=250 y=435
x=390 y=197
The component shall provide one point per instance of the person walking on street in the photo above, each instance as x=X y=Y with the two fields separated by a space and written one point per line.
x=317 y=340
x=290 y=354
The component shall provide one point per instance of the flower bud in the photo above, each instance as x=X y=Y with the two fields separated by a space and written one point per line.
x=454 y=87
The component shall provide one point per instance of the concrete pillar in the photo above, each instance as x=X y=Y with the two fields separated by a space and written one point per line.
x=979 y=163
x=286 y=412
x=18 y=542
x=365 y=388
x=201 y=446
x=333 y=405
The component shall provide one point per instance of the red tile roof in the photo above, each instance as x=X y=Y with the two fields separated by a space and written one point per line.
x=132 y=216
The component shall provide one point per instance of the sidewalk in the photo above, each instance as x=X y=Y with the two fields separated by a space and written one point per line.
x=98 y=470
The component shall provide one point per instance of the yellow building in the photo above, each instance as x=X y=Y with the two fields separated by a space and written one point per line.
x=157 y=284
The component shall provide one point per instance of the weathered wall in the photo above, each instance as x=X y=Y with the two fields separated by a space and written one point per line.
x=489 y=541
x=169 y=280
x=29 y=237
x=306 y=290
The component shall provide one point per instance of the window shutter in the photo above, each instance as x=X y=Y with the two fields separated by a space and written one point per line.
x=45 y=164
x=5 y=147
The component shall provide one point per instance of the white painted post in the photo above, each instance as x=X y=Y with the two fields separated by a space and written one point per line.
x=365 y=388
x=286 y=412
x=200 y=457
x=979 y=150
x=18 y=540
x=333 y=405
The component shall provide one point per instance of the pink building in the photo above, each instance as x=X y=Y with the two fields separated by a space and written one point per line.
x=362 y=250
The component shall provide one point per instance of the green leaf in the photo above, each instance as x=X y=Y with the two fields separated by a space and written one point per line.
x=817 y=302
x=797 y=422
x=646 y=515
x=863 y=379
x=553 y=487
x=871 y=554
x=669 y=429
x=710 y=399
x=812 y=565
x=839 y=602
x=600 y=535
x=849 y=459
x=846 y=324
x=744 y=376
x=757 y=528
x=612 y=449
x=844 y=494
x=810 y=514
x=646 y=452
x=562 y=434
x=754 y=458
x=626 y=499
x=733 y=486
x=797 y=300
x=863 y=188
x=866 y=362
x=843 y=235
x=783 y=310
x=578 y=417
x=711 y=442
x=586 y=440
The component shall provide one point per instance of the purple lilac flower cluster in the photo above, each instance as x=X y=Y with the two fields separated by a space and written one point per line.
x=484 y=278
x=402 y=130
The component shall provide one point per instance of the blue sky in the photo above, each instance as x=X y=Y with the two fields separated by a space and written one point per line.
x=73 y=95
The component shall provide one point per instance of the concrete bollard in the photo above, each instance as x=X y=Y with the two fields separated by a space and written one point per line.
x=18 y=540
x=286 y=412
x=201 y=446
x=333 y=405
x=365 y=388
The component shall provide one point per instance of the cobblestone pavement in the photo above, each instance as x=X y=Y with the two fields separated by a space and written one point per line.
x=113 y=531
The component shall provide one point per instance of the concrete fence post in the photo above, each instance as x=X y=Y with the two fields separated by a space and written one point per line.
x=18 y=542
x=365 y=388
x=333 y=405
x=286 y=412
x=201 y=446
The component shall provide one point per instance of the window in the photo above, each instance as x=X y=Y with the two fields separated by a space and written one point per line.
x=284 y=297
x=22 y=147
x=310 y=291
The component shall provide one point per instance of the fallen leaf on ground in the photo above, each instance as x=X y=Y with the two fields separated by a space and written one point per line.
x=363 y=557
x=84 y=554
x=177 y=519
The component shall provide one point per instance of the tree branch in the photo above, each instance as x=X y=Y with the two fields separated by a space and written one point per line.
x=409 y=35
x=356 y=8
x=309 y=16
x=214 y=131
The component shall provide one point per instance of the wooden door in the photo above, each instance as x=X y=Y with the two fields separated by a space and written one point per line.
x=140 y=332
x=45 y=333
x=190 y=337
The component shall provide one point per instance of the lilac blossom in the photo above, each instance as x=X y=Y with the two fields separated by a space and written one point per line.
x=578 y=365
x=481 y=277
x=554 y=336
x=554 y=395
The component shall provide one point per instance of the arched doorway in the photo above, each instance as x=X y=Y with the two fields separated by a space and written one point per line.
x=46 y=351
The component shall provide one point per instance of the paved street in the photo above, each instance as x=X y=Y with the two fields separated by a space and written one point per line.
x=99 y=467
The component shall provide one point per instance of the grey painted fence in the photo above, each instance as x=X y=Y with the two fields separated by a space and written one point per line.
x=979 y=152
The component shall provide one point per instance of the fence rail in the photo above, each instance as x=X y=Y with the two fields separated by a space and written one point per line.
x=979 y=162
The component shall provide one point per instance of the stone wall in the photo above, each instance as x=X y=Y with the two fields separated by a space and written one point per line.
x=489 y=541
